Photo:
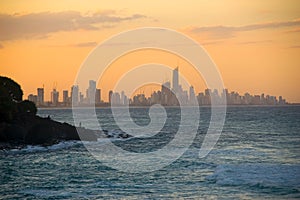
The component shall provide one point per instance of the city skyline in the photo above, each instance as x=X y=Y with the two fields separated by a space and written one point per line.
x=256 y=47
x=167 y=95
x=185 y=99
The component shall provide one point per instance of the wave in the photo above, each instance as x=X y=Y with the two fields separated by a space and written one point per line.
x=114 y=135
x=38 y=148
x=258 y=175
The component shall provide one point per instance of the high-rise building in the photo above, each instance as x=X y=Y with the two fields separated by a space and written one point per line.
x=91 y=91
x=201 y=98
x=192 y=98
x=40 y=96
x=75 y=95
x=54 y=97
x=65 y=96
x=122 y=100
x=207 y=99
x=207 y=92
x=98 y=96
x=175 y=80
x=167 y=96
x=33 y=98
x=81 y=97
x=110 y=96
x=116 y=98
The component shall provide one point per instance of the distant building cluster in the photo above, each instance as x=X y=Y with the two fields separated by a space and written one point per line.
x=233 y=98
x=168 y=96
x=93 y=96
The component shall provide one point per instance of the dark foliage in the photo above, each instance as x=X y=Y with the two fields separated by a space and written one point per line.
x=11 y=104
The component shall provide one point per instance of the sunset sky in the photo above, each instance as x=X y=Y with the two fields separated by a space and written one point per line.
x=254 y=43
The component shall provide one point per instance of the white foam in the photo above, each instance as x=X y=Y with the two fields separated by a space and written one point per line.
x=38 y=148
x=115 y=133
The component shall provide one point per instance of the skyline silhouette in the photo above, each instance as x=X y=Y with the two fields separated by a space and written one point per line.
x=167 y=95
x=256 y=47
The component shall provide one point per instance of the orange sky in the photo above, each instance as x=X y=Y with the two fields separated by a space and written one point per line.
x=255 y=44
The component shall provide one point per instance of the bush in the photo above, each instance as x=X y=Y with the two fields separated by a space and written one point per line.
x=11 y=102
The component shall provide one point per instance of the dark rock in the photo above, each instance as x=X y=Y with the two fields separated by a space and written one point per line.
x=35 y=130
x=14 y=132
x=19 y=124
x=42 y=134
x=68 y=132
x=3 y=137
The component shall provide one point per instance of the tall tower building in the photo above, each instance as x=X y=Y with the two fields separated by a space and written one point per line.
x=54 y=97
x=175 y=80
x=122 y=100
x=116 y=98
x=166 y=94
x=65 y=96
x=91 y=91
x=40 y=96
x=110 y=96
x=98 y=96
x=192 y=98
x=75 y=94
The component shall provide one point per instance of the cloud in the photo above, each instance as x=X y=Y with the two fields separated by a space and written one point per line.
x=297 y=30
x=295 y=46
x=81 y=44
x=40 y=25
x=1 y=46
x=211 y=43
x=230 y=31
x=86 y=44
x=256 y=42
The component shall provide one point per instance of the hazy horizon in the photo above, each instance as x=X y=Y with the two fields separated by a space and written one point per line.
x=254 y=44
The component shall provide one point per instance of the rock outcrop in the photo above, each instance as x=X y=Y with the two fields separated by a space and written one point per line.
x=20 y=126
x=35 y=130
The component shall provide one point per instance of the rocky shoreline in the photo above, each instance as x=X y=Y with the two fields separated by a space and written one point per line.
x=34 y=130
x=20 y=126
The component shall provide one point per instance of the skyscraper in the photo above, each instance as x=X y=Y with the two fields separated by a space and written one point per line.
x=110 y=96
x=33 y=98
x=40 y=96
x=75 y=95
x=166 y=94
x=65 y=96
x=54 y=97
x=192 y=99
x=91 y=91
x=116 y=98
x=98 y=96
x=175 y=80
x=122 y=100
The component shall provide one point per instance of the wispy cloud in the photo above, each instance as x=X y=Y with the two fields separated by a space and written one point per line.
x=86 y=44
x=211 y=43
x=230 y=31
x=40 y=25
x=294 y=46
x=297 y=30
x=256 y=42
x=81 y=44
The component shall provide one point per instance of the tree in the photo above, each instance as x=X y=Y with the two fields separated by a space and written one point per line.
x=11 y=89
x=26 y=106
x=11 y=102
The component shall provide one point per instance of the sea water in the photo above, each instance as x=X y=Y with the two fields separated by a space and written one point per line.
x=256 y=157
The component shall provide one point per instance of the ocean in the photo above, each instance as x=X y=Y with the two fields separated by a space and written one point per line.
x=256 y=157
